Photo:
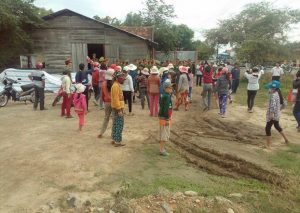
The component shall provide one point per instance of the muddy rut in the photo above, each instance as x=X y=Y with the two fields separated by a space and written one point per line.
x=190 y=140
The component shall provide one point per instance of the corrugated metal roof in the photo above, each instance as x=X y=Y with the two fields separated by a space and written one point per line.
x=70 y=12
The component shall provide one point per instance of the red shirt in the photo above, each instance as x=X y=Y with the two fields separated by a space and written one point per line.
x=208 y=77
x=105 y=93
x=95 y=77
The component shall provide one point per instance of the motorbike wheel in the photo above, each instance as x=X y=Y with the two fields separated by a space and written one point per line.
x=3 y=100
x=32 y=97
x=56 y=100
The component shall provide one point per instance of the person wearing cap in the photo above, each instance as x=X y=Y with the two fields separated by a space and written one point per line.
x=38 y=78
x=106 y=96
x=128 y=89
x=153 y=90
x=252 y=87
x=223 y=85
x=165 y=117
x=117 y=105
x=182 y=89
x=66 y=84
x=273 y=112
x=296 y=93
x=79 y=102
x=142 y=80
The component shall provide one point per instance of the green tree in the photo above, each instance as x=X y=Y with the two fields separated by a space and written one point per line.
x=41 y=12
x=183 y=35
x=17 y=18
x=108 y=20
x=205 y=51
x=133 y=19
x=255 y=32
x=157 y=12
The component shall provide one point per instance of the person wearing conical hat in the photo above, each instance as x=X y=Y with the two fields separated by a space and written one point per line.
x=153 y=90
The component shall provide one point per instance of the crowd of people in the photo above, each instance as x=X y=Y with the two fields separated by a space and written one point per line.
x=166 y=87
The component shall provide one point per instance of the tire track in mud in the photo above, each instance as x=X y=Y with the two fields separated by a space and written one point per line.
x=188 y=143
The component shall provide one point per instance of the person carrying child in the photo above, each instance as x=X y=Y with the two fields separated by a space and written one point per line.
x=79 y=101
x=165 y=117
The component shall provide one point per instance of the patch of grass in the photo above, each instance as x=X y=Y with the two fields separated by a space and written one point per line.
x=71 y=187
x=209 y=186
x=288 y=160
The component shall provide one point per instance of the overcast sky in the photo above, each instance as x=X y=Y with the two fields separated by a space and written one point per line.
x=197 y=14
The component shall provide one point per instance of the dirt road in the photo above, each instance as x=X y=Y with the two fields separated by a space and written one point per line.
x=42 y=155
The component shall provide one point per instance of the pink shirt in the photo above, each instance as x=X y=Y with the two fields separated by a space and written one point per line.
x=191 y=75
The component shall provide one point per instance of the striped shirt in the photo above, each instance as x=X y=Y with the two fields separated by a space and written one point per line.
x=37 y=78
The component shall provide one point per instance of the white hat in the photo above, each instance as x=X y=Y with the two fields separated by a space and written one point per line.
x=126 y=68
x=118 y=68
x=154 y=70
x=80 y=88
x=145 y=71
x=109 y=74
x=132 y=67
x=162 y=70
x=170 y=66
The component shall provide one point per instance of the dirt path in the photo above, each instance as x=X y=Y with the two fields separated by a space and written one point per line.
x=42 y=155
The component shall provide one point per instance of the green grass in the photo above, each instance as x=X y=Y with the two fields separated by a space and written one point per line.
x=288 y=160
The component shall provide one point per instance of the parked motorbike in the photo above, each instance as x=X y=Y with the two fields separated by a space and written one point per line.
x=9 y=92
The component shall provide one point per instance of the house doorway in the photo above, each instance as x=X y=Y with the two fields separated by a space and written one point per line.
x=98 y=49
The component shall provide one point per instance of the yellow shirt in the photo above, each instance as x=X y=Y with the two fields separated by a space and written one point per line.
x=117 y=99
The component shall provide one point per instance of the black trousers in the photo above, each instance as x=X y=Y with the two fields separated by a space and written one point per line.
x=128 y=99
x=39 y=97
x=277 y=78
x=198 y=80
x=250 y=98
x=86 y=93
x=269 y=126
x=96 y=92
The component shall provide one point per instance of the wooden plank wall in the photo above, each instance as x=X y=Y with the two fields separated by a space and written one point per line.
x=54 y=42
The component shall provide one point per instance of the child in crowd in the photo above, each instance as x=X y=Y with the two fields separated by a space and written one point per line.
x=273 y=112
x=79 y=101
x=142 y=80
x=191 y=82
x=165 y=116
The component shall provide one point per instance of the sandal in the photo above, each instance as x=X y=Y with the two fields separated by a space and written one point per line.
x=113 y=142
x=119 y=144
x=99 y=136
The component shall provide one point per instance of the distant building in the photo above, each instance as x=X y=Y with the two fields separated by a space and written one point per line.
x=67 y=34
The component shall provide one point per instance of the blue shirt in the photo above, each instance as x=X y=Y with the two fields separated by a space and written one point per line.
x=235 y=72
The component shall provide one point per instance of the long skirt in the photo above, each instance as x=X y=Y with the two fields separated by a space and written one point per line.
x=117 y=127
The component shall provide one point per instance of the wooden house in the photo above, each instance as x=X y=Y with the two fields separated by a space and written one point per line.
x=67 y=34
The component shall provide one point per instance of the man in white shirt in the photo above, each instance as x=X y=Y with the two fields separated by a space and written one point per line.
x=128 y=89
x=277 y=71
